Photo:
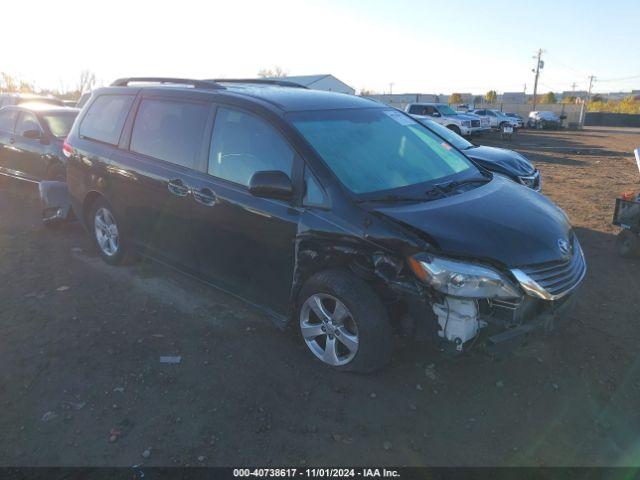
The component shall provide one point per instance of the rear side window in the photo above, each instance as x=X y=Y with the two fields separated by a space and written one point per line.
x=418 y=110
x=244 y=144
x=8 y=120
x=105 y=118
x=171 y=131
x=60 y=123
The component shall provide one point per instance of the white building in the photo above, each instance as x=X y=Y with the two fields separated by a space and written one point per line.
x=325 y=82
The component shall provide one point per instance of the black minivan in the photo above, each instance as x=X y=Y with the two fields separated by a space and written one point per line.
x=335 y=212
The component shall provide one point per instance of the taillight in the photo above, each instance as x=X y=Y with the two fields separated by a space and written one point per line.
x=67 y=149
x=628 y=195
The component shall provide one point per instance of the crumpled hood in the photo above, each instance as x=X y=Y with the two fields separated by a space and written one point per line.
x=508 y=161
x=500 y=221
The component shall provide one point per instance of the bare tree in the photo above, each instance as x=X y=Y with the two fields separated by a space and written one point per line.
x=9 y=83
x=275 y=72
x=87 y=81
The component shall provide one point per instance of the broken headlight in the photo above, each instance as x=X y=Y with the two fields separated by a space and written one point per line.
x=461 y=279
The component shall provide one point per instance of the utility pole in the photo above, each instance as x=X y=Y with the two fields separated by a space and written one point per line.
x=573 y=86
x=391 y=88
x=583 y=108
x=539 y=65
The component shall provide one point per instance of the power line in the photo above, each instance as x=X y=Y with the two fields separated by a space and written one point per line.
x=618 y=79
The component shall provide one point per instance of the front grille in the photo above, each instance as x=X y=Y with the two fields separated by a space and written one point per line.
x=475 y=123
x=559 y=277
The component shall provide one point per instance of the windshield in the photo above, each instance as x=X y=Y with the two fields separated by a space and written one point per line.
x=60 y=123
x=449 y=135
x=372 y=150
x=445 y=110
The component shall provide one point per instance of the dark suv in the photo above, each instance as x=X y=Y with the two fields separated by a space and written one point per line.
x=346 y=216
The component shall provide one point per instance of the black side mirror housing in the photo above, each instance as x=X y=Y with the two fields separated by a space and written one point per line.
x=271 y=184
x=33 y=134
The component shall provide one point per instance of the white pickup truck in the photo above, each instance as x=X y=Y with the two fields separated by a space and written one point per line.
x=461 y=123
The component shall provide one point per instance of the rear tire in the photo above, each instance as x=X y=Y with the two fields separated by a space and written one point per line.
x=628 y=244
x=107 y=233
x=362 y=321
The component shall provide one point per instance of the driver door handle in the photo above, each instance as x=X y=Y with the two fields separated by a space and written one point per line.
x=205 y=196
x=178 y=188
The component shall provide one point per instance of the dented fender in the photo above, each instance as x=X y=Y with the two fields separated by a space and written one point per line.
x=375 y=250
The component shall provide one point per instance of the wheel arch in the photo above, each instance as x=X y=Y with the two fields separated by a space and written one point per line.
x=384 y=272
x=88 y=202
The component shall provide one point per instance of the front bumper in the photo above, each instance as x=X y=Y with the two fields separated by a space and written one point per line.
x=531 y=315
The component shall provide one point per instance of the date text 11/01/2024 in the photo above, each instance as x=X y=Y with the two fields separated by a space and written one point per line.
x=316 y=472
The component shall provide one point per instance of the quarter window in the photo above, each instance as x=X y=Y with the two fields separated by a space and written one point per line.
x=170 y=130
x=27 y=121
x=8 y=120
x=243 y=144
x=105 y=118
x=313 y=194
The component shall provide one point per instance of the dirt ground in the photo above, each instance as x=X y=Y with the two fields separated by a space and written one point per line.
x=81 y=381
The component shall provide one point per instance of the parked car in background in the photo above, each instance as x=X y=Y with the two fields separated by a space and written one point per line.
x=7 y=99
x=518 y=118
x=507 y=163
x=460 y=123
x=543 y=119
x=337 y=212
x=31 y=141
x=495 y=118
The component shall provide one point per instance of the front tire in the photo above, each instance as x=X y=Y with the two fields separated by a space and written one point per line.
x=107 y=233
x=628 y=244
x=343 y=322
x=455 y=129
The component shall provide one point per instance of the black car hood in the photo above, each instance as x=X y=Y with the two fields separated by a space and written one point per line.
x=502 y=160
x=500 y=221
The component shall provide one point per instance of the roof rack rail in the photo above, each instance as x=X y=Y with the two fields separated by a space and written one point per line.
x=264 y=81
x=204 y=84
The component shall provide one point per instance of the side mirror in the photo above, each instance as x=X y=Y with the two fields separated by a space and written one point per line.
x=32 y=134
x=435 y=114
x=271 y=184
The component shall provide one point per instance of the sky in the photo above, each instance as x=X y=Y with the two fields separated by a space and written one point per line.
x=406 y=46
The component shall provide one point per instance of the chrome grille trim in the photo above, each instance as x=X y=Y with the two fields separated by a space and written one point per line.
x=532 y=181
x=553 y=280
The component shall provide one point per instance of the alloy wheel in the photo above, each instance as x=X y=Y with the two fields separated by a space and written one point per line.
x=106 y=231
x=329 y=329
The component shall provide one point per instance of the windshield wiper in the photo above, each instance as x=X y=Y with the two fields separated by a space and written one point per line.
x=447 y=187
x=393 y=199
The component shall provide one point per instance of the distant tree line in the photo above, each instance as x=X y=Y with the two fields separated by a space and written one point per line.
x=13 y=84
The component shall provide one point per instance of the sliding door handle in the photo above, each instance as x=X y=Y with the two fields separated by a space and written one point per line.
x=205 y=196
x=178 y=188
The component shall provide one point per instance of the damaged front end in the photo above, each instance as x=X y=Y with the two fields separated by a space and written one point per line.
x=471 y=297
